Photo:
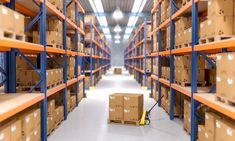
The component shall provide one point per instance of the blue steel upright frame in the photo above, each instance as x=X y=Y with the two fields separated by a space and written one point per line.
x=195 y=39
x=10 y=61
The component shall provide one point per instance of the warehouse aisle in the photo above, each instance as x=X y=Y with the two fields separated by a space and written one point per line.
x=88 y=122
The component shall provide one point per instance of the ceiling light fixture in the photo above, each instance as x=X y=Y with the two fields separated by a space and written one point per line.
x=117 y=29
x=117 y=14
x=117 y=36
x=117 y=41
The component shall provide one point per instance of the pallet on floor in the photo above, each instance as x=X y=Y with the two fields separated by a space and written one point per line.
x=226 y=101
x=124 y=122
x=55 y=46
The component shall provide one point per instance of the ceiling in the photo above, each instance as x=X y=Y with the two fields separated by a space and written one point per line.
x=125 y=6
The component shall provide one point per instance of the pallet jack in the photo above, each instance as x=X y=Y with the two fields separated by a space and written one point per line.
x=145 y=119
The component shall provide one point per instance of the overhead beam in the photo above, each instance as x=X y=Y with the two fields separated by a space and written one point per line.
x=126 y=14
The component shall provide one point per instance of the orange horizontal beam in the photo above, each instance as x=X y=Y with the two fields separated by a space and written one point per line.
x=24 y=10
x=5 y=1
x=184 y=50
x=154 y=77
x=209 y=100
x=80 y=8
x=55 y=89
x=229 y=43
x=20 y=108
x=55 y=50
x=164 y=81
x=155 y=7
x=10 y=43
x=181 y=90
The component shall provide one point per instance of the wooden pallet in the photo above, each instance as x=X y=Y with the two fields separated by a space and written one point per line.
x=55 y=46
x=215 y=38
x=11 y=35
x=187 y=44
x=27 y=88
x=187 y=84
x=225 y=100
x=54 y=85
x=175 y=115
x=124 y=122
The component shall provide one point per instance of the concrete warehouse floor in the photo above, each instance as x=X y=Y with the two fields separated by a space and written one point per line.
x=88 y=122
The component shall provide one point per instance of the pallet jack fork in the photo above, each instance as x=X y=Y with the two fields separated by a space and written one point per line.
x=145 y=119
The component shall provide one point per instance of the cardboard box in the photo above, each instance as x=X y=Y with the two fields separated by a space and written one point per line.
x=28 y=125
x=59 y=114
x=133 y=107
x=184 y=75
x=117 y=70
x=210 y=122
x=71 y=11
x=73 y=101
x=54 y=24
x=37 y=117
x=6 y=14
x=225 y=77
x=220 y=8
x=201 y=133
x=52 y=38
x=87 y=19
x=220 y=25
x=116 y=102
x=50 y=124
x=18 y=23
x=225 y=130
x=51 y=107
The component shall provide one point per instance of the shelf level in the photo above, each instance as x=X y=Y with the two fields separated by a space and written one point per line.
x=11 y=104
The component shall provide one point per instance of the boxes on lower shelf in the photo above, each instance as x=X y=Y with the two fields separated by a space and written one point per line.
x=216 y=127
x=125 y=107
x=26 y=126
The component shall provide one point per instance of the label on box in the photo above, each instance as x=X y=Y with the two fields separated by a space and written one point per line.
x=2 y=136
x=229 y=132
x=218 y=124
x=126 y=98
x=13 y=128
x=126 y=111
x=230 y=81
x=112 y=110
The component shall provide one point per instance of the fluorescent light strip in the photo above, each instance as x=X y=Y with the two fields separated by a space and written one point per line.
x=137 y=8
x=98 y=8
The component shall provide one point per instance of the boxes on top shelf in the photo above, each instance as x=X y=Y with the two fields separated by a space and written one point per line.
x=71 y=11
x=87 y=19
x=58 y=4
x=220 y=8
x=53 y=38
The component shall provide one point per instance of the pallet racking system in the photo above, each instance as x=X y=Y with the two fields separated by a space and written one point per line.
x=99 y=55
x=136 y=53
x=10 y=47
x=198 y=95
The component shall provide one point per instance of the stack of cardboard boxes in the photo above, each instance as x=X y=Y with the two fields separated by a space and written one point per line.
x=216 y=128
x=155 y=90
x=27 y=77
x=25 y=126
x=183 y=31
x=178 y=101
x=220 y=19
x=125 y=107
x=87 y=81
x=225 y=86
x=164 y=5
x=70 y=11
x=187 y=116
x=183 y=69
x=14 y=27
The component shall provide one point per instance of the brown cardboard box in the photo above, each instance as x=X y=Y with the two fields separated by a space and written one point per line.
x=185 y=62
x=225 y=77
x=16 y=130
x=187 y=123
x=27 y=120
x=73 y=101
x=21 y=63
x=5 y=132
x=117 y=70
x=51 y=106
x=225 y=130
x=116 y=103
x=184 y=75
x=6 y=14
x=18 y=23
x=88 y=18
x=37 y=117
x=133 y=107
x=210 y=122
x=201 y=133
x=52 y=37
x=54 y=25
x=203 y=29
x=71 y=11
x=220 y=7
x=220 y=25
x=50 y=124
x=58 y=116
